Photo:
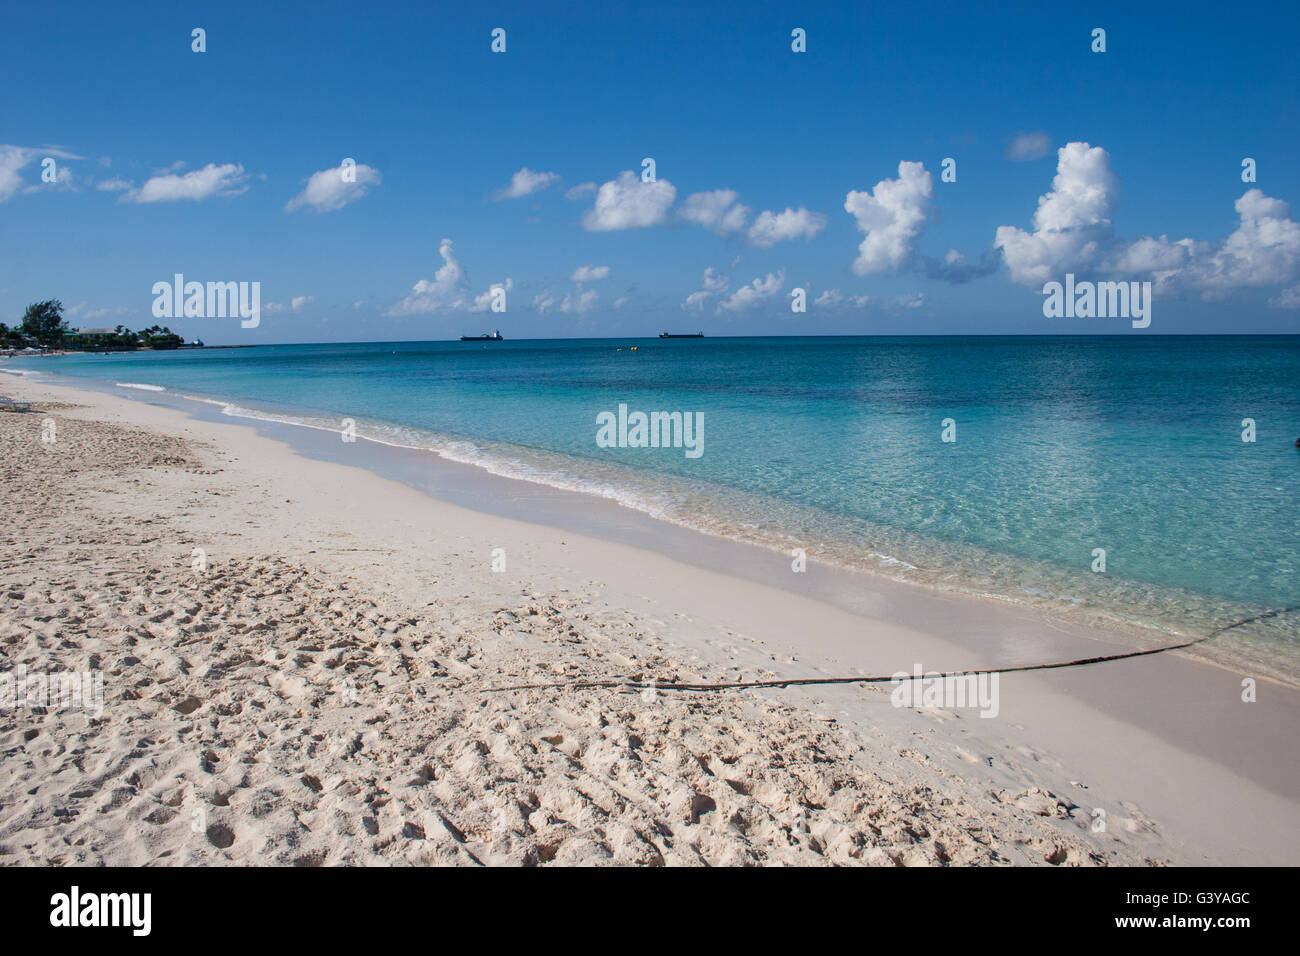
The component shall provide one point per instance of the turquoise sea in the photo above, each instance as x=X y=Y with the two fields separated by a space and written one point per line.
x=1064 y=445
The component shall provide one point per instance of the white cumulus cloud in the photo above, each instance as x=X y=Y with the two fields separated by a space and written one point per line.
x=589 y=273
x=908 y=300
x=228 y=179
x=526 y=181
x=1072 y=224
x=714 y=283
x=770 y=228
x=14 y=158
x=835 y=299
x=749 y=296
x=716 y=210
x=1073 y=232
x=629 y=203
x=447 y=291
x=1263 y=250
x=483 y=301
x=295 y=305
x=892 y=216
x=576 y=302
x=331 y=189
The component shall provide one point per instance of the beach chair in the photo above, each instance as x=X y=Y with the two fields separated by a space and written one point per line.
x=7 y=404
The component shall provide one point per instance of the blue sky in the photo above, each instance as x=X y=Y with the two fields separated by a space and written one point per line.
x=175 y=161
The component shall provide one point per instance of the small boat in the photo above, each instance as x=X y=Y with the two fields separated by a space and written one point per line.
x=681 y=335
x=494 y=337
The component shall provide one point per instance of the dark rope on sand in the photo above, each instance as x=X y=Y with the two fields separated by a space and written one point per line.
x=807 y=681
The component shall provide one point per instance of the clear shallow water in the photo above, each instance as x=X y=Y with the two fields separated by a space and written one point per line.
x=1131 y=444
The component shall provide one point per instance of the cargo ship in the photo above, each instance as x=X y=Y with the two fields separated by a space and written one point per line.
x=494 y=337
x=681 y=335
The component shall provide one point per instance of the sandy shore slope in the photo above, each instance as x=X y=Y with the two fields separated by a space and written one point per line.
x=316 y=687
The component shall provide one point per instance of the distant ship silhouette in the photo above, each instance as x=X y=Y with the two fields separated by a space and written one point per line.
x=494 y=337
x=681 y=335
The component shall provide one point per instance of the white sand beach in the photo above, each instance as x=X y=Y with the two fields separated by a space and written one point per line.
x=301 y=665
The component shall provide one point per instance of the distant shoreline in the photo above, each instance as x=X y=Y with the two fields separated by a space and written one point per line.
x=54 y=353
x=1136 y=338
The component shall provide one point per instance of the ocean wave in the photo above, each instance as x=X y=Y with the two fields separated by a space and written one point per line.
x=720 y=512
x=460 y=451
x=142 y=387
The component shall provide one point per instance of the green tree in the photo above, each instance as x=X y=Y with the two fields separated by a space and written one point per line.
x=161 y=338
x=43 y=321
